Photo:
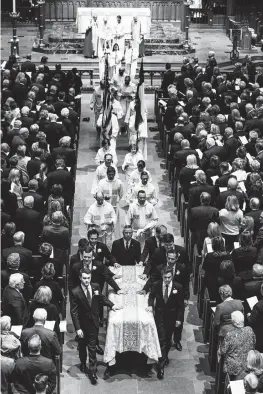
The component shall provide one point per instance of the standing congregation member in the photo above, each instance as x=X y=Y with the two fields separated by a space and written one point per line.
x=126 y=250
x=102 y=217
x=167 y=300
x=142 y=217
x=84 y=308
x=28 y=367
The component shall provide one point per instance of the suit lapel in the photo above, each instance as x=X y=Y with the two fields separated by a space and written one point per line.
x=84 y=298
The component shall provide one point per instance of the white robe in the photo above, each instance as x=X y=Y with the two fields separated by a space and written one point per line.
x=118 y=30
x=136 y=34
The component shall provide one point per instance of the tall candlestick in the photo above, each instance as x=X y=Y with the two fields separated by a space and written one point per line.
x=14 y=5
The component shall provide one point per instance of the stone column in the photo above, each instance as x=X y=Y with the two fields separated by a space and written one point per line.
x=41 y=4
x=14 y=40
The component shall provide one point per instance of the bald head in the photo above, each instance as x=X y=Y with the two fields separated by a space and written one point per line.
x=232 y=184
x=34 y=344
x=29 y=202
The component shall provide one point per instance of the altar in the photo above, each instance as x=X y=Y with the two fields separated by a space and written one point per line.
x=84 y=16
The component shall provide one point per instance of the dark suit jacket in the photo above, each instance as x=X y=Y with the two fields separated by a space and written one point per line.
x=195 y=192
x=231 y=146
x=171 y=311
x=252 y=288
x=159 y=257
x=58 y=237
x=102 y=252
x=59 y=105
x=5 y=218
x=85 y=316
x=28 y=221
x=181 y=276
x=255 y=320
x=149 y=248
x=244 y=260
x=25 y=256
x=27 y=368
x=179 y=160
x=168 y=79
x=250 y=148
x=214 y=150
x=222 y=181
x=221 y=199
x=200 y=217
x=54 y=132
x=126 y=257
x=65 y=179
x=255 y=215
x=20 y=92
x=223 y=312
x=50 y=346
x=33 y=167
x=38 y=200
x=99 y=274
x=27 y=291
x=14 y=305
x=68 y=153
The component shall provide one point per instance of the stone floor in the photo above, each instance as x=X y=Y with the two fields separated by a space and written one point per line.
x=188 y=371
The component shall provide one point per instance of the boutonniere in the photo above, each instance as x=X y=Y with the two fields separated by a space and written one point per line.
x=177 y=272
x=96 y=292
x=99 y=251
x=94 y=268
x=175 y=291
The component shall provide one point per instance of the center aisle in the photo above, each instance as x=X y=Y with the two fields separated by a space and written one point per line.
x=188 y=371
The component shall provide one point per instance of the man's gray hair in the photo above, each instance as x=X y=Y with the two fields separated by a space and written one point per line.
x=15 y=279
x=40 y=315
x=13 y=261
x=225 y=291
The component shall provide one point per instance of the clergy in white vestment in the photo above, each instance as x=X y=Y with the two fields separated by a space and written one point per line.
x=111 y=187
x=127 y=93
x=114 y=60
x=101 y=216
x=95 y=35
x=96 y=101
x=148 y=187
x=130 y=161
x=128 y=58
x=118 y=79
x=134 y=63
x=105 y=148
x=118 y=34
x=101 y=172
x=142 y=217
x=136 y=32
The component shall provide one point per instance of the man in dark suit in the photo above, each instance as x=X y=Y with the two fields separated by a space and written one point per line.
x=20 y=91
x=13 y=302
x=100 y=250
x=255 y=213
x=255 y=320
x=197 y=189
x=126 y=250
x=56 y=234
x=24 y=254
x=168 y=79
x=13 y=263
x=153 y=243
x=180 y=127
x=100 y=273
x=38 y=199
x=167 y=299
x=231 y=191
x=61 y=103
x=65 y=150
x=78 y=257
x=50 y=346
x=253 y=286
x=211 y=150
x=64 y=178
x=28 y=66
x=180 y=157
x=200 y=217
x=33 y=165
x=225 y=175
x=28 y=367
x=84 y=308
x=54 y=131
x=231 y=144
x=251 y=145
x=28 y=221
x=26 y=120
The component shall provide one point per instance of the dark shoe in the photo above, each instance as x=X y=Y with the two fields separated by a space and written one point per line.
x=86 y=119
x=178 y=346
x=93 y=378
x=107 y=374
x=166 y=362
x=99 y=350
x=83 y=367
x=160 y=373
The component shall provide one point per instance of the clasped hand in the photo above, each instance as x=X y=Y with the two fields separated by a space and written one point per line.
x=116 y=308
x=121 y=291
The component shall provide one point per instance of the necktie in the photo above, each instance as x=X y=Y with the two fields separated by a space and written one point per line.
x=127 y=245
x=166 y=294
x=88 y=295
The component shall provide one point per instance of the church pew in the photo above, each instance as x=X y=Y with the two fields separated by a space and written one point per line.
x=158 y=93
x=200 y=292
x=220 y=376
x=208 y=304
x=174 y=186
x=197 y=260
x=213 y=343
x=58 y=369
x=183 y=208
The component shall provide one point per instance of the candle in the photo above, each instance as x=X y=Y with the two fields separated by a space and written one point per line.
x=14 y=5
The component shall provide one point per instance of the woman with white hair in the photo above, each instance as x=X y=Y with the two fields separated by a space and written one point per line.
x=254 y=366
x=236 y=345
x=187 y=174
x=10 y=344
x=15 y=186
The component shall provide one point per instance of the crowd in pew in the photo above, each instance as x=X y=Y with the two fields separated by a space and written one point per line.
x=211 y=126
x=40 y=113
